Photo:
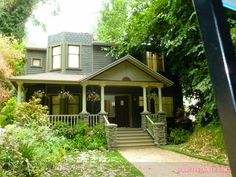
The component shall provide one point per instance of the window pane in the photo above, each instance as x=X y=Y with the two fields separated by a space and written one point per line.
x=73 y=49
x=55 y=100
x=56 y=62
x=36 y=62
x=73 y=61
x=56 y=50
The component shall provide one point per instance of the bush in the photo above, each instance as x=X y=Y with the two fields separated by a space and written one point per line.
x=27 y=151
x=178 y=136
x=81 y=136
x=8 y=112
x=32 y=113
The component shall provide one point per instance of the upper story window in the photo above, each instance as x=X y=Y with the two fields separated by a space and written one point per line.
x=73 y=56
x=56 y=57
x=36 y=62
x=155 y=62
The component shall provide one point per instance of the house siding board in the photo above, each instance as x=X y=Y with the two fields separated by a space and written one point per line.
x=101 y=59
x=35 y=54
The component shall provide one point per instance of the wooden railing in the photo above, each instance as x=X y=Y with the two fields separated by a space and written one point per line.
x=93 y=119
x=150 y=126
x=71 y=119
x=106 y=120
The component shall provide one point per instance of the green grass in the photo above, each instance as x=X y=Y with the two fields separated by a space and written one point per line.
x=205 y=143
x=95 y=163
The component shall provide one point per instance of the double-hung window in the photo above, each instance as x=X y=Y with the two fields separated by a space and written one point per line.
x=56 y=57
x=73 y=56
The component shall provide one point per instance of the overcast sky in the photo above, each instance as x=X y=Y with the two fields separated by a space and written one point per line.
x=74 y=16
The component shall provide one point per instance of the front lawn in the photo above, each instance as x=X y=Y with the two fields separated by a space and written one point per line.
x=95 y=163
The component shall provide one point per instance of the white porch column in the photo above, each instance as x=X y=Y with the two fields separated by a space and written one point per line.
x=145 y=99
x=160 y=99
x=19 y=92
x=84 y=101
x=102 y=100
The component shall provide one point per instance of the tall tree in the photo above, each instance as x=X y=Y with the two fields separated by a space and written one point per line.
x=168 y=27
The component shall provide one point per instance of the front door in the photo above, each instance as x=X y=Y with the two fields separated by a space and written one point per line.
x=122 y=111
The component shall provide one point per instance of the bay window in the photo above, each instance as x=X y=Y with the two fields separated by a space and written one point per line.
x=56 y=57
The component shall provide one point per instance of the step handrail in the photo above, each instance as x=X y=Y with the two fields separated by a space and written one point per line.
x=149 y=126
x=106 y=120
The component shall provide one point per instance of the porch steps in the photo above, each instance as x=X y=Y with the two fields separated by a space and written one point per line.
x=133 y=137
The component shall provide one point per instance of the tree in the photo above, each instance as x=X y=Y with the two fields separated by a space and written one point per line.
x=171 y=28
x=11 y=59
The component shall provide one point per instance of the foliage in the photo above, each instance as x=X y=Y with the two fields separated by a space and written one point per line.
x=8 y=112
x=32 y=113
x=169 y=28
x=28 y=151
x=11 y=61
x=96 y=163
x=178 y=136
x=205 y=143
x=81 y=136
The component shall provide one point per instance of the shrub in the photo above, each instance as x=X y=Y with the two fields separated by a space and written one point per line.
x=27 y=151
x=81 y=136
x=8 y=112
x=178 y=136
x=32 y=113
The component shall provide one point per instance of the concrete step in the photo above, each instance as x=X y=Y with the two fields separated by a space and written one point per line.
x=135 y=145
x=133 y=137
x=135 y=141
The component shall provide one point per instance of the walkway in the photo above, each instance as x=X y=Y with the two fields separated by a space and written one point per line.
x=155 y=162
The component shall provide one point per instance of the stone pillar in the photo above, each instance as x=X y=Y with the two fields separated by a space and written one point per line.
x=160 y=99
x=19 y=92
x=84 y=100
x=160 y=130
x=144 y=120
x=111 y=134
x=145 y=100
x=102 y=110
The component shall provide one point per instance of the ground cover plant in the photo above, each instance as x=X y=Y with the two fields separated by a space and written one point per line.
x=206 y=143
x=95 y=163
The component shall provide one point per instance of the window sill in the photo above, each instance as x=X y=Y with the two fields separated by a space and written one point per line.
x=74 y=69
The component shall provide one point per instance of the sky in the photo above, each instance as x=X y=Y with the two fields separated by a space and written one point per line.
x=73 y=16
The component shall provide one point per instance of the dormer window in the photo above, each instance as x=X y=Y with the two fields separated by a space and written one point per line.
x=155 y=62
x=56 y=57
x=73 y=56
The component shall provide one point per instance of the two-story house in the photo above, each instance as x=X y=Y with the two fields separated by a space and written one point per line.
x=75 y=76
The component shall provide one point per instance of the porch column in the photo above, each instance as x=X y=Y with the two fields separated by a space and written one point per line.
x=145 y=99
x=19 y=92
x=84 y=102
x=102 y=111
x=160 y=99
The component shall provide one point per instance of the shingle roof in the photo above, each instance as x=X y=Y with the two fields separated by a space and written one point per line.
x=50 y=77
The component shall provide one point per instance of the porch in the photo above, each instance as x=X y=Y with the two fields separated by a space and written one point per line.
x=152 y=132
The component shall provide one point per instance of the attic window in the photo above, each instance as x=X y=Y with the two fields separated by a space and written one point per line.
x=73 y=56
x=36 y=62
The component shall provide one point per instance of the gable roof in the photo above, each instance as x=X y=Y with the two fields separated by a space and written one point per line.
x=134 y=62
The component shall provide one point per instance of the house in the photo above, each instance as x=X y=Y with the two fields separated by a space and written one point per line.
x=75 y=76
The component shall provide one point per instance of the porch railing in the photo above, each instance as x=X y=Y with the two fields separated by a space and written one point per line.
x=71 y=119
